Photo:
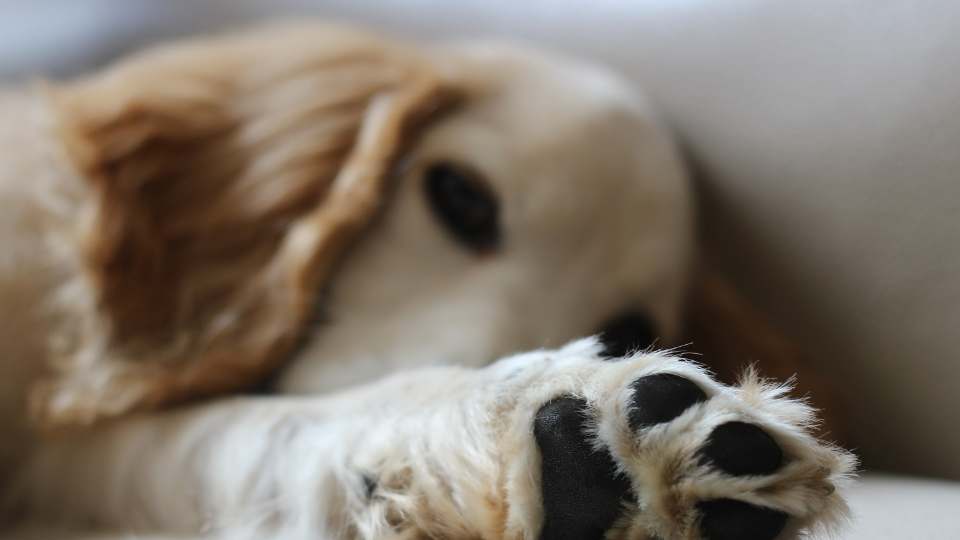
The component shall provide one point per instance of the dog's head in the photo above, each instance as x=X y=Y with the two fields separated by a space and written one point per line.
x=230 y=222
x=547 y=205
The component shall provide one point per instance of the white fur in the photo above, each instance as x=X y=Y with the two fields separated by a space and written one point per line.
x=451 y=449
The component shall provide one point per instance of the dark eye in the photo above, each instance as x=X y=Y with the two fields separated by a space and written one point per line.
x=628 y=332
x=464 y=204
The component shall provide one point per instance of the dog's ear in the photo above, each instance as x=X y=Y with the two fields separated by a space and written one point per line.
x=226 y=177
x=730 y=334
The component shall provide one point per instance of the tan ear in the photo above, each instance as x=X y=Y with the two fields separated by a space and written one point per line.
x=227 y=177
x=730 y=334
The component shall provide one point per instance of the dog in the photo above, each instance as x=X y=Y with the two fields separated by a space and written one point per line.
x=368 y=232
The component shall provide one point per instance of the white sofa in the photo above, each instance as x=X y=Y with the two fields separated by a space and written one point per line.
x=828 y=141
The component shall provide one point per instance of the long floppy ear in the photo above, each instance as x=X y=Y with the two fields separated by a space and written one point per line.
x=227 y=176
x=731 y=334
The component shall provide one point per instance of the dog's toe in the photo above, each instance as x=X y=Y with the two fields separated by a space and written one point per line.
x=661 y=398
x=582 y=491
x=742 y=449
x=726 y=519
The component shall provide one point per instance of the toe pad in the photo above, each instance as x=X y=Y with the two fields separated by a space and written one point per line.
x=727 y=519
x=741 y=449
x=582 y=492
x=660 y=398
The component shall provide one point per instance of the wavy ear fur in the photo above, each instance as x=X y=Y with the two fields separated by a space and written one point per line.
x=227 y=176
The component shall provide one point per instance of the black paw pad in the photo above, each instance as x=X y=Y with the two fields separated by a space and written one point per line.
x=742 y=449
x=582 y=492
x=727 y=519
x=661 y=398
x=627 y=333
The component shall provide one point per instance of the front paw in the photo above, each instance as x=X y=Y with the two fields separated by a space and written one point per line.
x=651 y=447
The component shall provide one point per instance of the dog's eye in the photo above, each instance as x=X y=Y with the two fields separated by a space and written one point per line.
x=464 y=204
x=626 y=333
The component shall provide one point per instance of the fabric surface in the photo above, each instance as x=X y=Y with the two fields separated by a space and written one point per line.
x=884 y=508
x=897 y=508
x=825 y=130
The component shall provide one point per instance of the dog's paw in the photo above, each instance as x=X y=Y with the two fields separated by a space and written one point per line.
x=650 y=446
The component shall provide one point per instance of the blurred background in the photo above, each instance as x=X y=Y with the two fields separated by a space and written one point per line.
x=825 y=135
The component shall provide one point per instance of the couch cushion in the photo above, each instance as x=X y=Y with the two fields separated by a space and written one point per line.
x=897 y=508
x=826 y=129
x=884 y=508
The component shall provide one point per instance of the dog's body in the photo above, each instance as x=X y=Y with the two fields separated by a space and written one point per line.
x=31 y=185
x=153 y=217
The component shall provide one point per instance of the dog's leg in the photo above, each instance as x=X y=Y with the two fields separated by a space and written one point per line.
x=552 y=444
x=270 y=467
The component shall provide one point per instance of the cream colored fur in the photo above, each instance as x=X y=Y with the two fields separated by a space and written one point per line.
x=451 y=450
x=597 y=219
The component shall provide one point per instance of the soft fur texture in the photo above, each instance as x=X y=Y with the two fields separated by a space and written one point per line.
x=449 y=448
x=169 y=227
x=221 y=198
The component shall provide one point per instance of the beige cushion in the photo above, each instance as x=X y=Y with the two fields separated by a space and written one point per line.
x=896 y=508
x=827 y=131
x=884 y=507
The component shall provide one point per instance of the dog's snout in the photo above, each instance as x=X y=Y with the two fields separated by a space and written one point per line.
x=626 y=333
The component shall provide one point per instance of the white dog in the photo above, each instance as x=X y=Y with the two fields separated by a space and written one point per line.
x=168 y=228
